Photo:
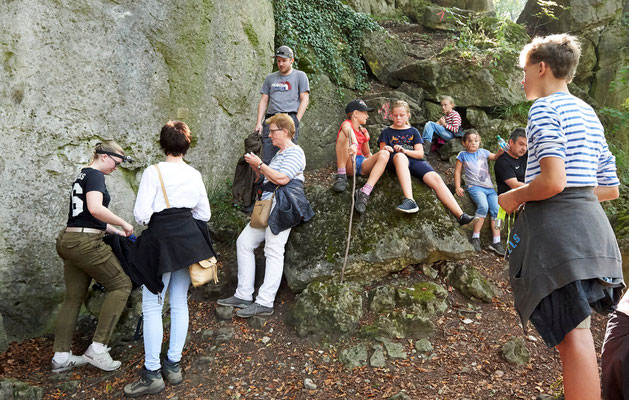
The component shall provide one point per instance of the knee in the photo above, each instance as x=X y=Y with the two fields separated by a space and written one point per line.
x=243 y=243
x=271 y=251
x=383 y=156
x=481 y=210
x=400 y=159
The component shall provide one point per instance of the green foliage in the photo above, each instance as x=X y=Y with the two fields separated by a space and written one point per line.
x=487 y=40
x=517 y=112
x=548 y=8
x=326 y=34
x=509 y=9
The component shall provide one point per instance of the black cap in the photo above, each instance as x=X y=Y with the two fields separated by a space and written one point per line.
x=284 y=52
x=357 y=105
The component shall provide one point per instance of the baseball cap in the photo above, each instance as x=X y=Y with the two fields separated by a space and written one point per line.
x=284 y=52
x=357 y=105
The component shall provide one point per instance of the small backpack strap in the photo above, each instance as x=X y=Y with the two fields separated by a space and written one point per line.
x=161 y=181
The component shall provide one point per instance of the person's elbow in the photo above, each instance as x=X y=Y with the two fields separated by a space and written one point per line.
x=282 y=180
x=556 y=184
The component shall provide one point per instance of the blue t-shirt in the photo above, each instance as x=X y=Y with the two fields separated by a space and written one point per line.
x=476 y=168
x=407 y=138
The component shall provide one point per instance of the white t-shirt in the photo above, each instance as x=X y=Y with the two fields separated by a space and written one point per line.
x=184 y=188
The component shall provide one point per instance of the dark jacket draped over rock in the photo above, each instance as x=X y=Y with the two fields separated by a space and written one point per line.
x=173 y=240
x=291 y=205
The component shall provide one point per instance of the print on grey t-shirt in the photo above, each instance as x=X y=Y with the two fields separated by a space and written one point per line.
x=284 y=91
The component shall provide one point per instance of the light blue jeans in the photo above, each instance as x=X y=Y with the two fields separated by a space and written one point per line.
x=485 y=199
x=432 y=127
x=177 y=283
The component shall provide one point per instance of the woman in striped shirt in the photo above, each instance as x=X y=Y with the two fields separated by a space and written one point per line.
x=564 y=259
x=284 y=176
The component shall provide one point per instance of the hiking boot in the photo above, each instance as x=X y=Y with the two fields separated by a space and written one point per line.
x=497 y=248
x=234 y=302
x=71 y=362
x=172 y=372
x=360 y=201
x=408 y=206
x=465 y=219
x=340 y=184
x=101 y=360
x=150 y=382
x=254 y=309
x=476 y=244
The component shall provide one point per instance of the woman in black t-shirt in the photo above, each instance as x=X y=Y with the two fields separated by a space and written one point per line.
x=86 y=256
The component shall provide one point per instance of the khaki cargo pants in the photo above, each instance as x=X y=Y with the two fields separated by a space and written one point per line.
x=86 y=256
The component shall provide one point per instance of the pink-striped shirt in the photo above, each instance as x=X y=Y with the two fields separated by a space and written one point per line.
x=453 y=121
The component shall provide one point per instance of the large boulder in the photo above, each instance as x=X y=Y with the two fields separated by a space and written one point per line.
x=383 y=240
x=384 y=54
x=575 y=16
x=474 y=5
x=469 y=83
x=610 y=87
x=327 y=308
x=76 y=72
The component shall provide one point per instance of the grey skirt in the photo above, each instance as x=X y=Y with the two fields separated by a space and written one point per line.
x=556 y=242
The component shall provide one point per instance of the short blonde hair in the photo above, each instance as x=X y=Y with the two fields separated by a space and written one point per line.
x=283 y=121
x=448 y=99
x=109 y=146
x=561 y=52
x=401 y=103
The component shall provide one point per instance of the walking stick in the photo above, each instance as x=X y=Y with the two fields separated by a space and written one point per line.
x=351 y=213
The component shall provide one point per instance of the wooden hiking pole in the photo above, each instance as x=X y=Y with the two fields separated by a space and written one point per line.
x=351 y=212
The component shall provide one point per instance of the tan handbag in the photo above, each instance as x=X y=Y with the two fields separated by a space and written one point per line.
x=261 y=212
x=200 y=272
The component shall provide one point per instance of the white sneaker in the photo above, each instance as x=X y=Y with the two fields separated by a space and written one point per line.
x=71 y=362
x=101 y=360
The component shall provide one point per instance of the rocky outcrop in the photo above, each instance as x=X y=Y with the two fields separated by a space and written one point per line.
x=605 y=55
x=76 y=72
x=383 y=240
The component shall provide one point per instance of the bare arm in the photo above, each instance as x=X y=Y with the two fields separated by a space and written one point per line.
x=278 y=178
x=457 y=178
x=102 y=213
x=304 y=100
x=606 y=192
x=417 y=152
x=513 y=183
x=262 y=105
x=494 y=156
x=551 y=181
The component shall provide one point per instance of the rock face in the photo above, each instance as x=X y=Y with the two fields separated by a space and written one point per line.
x=383 y=240
x=74 y=73
x=605 y=54
x=327 y=308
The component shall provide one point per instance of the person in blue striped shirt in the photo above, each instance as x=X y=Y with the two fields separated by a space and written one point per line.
x=284 y=186
x=563 y=255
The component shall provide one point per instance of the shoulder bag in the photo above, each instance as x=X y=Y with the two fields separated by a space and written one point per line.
x=200 y=272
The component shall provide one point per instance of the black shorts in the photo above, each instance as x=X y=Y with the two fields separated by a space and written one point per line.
x=418 y=168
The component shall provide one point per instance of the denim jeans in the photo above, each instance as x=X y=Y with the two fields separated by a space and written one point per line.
x=249 y=239
x=485 y=199
x=431 y=128
x=268 y=150
x=177 y=283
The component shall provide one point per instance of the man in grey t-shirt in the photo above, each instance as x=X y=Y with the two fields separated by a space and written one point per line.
x=284 y=91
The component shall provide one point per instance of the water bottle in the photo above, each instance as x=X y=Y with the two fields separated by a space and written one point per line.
x=501 y=142
x=500 y=220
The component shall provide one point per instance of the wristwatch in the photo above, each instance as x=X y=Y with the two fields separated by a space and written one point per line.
x=260 y=165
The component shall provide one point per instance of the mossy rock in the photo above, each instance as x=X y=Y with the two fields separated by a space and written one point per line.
x=472 y=284
x=327 y=308
x=426 y=298
x=515 y=352
x=12 y=389
x=382 y=299
x=383 y=326
x=383 y=239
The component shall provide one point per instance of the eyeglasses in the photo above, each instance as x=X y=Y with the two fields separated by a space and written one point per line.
x=275 y=130
x=117 y=163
